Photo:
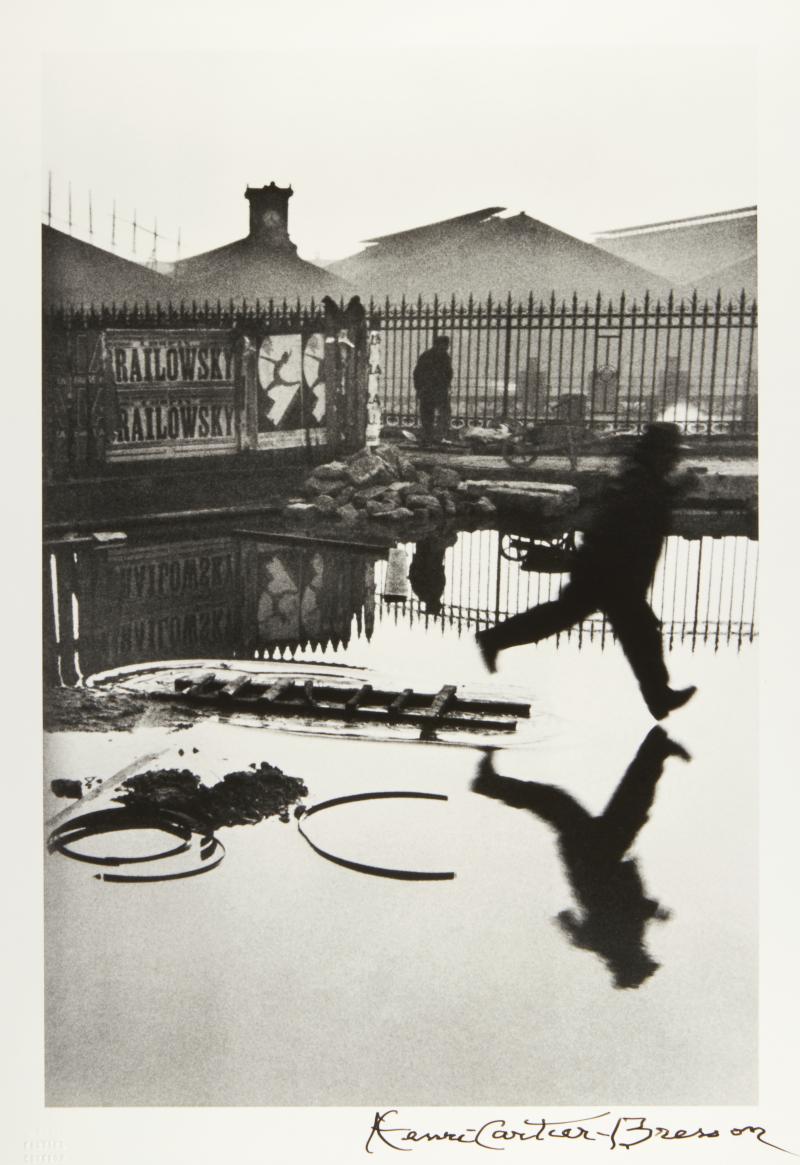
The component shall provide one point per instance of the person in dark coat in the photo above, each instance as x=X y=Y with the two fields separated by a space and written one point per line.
x=427 y=573
x=433 y=375
x=614 y=907
x=612 y=571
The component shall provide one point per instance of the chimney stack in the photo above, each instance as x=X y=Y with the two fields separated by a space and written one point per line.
x=269 y=216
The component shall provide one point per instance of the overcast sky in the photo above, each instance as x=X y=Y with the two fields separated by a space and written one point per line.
x=383 y=138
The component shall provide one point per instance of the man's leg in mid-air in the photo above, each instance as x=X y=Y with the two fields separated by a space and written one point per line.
x=538 y=623
x=639 y=634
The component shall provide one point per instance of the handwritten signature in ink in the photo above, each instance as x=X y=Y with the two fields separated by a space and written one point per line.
x=624 y=1132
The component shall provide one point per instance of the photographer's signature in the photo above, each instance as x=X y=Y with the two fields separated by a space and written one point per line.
x=625 y=1132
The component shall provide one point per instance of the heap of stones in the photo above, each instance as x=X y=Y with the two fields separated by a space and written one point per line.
x=383 y=485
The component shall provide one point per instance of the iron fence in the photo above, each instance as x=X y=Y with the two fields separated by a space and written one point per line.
x=616 y=365
x=612 y=366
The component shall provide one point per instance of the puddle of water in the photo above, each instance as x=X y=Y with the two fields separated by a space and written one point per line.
x=282 y=978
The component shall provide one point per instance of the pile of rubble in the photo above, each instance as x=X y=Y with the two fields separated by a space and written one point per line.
x=383 y=485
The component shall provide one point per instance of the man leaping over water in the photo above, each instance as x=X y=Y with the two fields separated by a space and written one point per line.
x=613 y=569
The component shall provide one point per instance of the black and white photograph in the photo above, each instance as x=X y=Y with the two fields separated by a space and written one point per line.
x=398 y=601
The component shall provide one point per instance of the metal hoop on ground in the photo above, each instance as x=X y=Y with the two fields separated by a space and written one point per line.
x=104 y=821
x=364 y=867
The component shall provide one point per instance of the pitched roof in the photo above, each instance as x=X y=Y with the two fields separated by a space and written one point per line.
x=250 y=269
x=443 y=225
x=480 y=254
x=687 y=250
x=730 y=281
x=672 y=223
x=75 y=272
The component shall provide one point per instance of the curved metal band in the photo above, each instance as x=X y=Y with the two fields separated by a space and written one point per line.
x=363 y=867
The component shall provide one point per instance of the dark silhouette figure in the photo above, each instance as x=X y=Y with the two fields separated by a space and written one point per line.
x=333 y=316
x=338 y=318
x=433 y=375
x=614 y=908
x=355 y=320
x=355 y=313
x=612 y=571
x=427 y=574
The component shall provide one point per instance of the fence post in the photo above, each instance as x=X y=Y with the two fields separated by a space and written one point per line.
x=715 y=343
x=374 y=384
x=507 y=359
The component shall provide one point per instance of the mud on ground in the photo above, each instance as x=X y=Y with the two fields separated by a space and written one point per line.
x=86 y=710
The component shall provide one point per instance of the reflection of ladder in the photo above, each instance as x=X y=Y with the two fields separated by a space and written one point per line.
x=359 y=704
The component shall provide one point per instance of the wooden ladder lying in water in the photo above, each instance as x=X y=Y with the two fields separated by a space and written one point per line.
x=364 y=704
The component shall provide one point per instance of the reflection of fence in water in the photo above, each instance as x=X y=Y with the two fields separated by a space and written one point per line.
x=704 y=590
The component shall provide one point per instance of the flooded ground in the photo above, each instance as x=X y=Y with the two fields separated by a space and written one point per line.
x=282 y=978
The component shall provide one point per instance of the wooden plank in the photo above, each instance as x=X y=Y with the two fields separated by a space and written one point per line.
x=201 y=687
x=271 y=694
x=185 y=683
x=380 y=545
x=440 y=702
x=380 y=698
x=352 y=703
x=399 y=702
x=270 y=701
x=235 y=686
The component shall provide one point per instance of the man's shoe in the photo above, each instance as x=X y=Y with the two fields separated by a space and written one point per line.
x=488 y=653
x=670 y=701
x=662 y=746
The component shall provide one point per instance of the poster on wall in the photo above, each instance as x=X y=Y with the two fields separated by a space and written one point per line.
x=174 y=393
x=291 y=391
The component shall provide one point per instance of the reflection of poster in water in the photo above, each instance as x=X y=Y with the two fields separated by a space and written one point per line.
x=311 y=599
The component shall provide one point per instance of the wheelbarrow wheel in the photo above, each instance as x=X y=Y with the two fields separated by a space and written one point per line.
x=520 y=450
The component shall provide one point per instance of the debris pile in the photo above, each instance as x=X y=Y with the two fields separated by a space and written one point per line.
x=240 y=798
x=383 y=485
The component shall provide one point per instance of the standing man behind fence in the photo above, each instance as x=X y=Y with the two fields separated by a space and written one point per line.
x=433 y=375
